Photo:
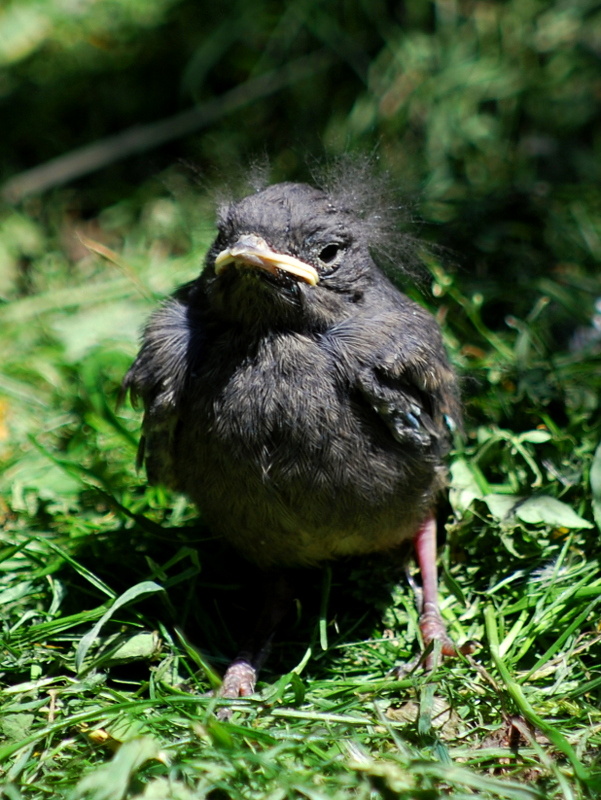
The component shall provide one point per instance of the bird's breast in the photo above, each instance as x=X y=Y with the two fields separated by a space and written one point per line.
x=283 y=461
x=273 y=410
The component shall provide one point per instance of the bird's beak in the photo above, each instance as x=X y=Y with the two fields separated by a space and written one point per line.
x=253 y=251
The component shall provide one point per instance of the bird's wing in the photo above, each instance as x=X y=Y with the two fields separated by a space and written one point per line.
x=408 y=382
x=158 y=377
x=419 y=407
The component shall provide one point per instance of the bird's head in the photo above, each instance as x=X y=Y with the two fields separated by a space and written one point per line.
x=290 y=255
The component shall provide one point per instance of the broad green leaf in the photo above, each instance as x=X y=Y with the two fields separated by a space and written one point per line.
x=501 y=506
x=111 y=781
x=535 y=510
x=123 y=649
x=543 y=508
x=16 y=726
x=464 y=486
x=134 y=593
x=535 y=437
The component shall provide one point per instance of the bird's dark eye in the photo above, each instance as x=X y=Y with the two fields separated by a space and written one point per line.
x=329 y=253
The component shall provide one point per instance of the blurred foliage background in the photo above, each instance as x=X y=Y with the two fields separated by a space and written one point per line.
x=487 y=112
x=123 y=120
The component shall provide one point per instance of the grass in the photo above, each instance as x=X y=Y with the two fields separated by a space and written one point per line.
x=117 y=606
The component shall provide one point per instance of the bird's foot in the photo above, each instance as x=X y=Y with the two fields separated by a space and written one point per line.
x=239 y=681
x=431 y=623
x=241 y=676
x=434 y=632
x=433 y=629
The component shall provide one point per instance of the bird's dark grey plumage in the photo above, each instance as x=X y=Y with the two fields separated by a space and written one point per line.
x=292 y=392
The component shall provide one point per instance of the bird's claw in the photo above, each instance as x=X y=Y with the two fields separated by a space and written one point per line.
x=433 y=629
x=239 y=681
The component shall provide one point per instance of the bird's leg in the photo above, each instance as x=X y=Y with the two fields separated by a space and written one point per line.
x=431 y=622
x=241 y=675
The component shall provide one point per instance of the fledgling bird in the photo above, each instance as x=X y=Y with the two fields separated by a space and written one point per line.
x=298 y=397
